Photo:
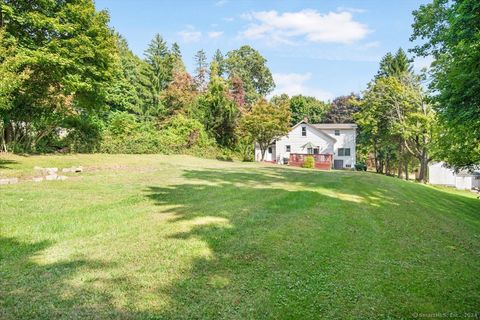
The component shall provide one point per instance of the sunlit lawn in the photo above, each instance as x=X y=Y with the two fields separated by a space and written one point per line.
x=147 y=237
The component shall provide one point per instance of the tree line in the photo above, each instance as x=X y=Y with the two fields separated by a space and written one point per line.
x=70 y=83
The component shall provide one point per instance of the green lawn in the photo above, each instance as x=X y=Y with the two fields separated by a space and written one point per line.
x=167 y=237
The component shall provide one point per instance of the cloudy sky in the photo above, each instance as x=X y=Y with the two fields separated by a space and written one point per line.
x=319 y=48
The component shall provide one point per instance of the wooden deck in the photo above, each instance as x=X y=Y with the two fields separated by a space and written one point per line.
x=322 y=161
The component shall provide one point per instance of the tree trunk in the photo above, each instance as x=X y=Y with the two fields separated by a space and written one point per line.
x=263 y=149
x=387 y=165
x=422 y=175
x=399 y=169
x=406 y=169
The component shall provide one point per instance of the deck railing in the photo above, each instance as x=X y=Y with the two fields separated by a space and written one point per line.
x=322 y=161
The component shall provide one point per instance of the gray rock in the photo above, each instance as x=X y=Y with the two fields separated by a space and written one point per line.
x=67 y=170
x=37 y=179
x=4 y=181
x=51 y=170
x=62 y=178
x=51 y=177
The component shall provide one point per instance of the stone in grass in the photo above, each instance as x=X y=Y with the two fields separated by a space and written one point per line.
x=8 y=181
x=67 y=170
x=51 y=177
x=78 y=169
x=51 y=171
x=62 y=178
x=37 y=179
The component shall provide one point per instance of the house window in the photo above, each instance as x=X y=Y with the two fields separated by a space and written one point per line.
x=304 y=131
x=337 y=132
x=270 y=150
x=310 y=150
x=344 y=152
x=316 y=150
x=287 y=148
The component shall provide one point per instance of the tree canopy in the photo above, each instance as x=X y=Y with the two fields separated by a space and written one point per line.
x=450 y=31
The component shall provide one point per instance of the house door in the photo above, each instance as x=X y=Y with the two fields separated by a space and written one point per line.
x=337 y=164
x=269 y=155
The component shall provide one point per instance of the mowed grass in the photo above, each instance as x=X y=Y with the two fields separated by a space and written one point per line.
x=177 y=237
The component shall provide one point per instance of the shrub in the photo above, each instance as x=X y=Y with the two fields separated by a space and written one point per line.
x=309 y=162
x=360 y=166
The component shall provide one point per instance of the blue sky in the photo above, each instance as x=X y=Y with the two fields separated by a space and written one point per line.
x=319 y=48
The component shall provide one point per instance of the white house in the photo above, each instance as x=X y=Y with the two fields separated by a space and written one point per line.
x=439 y=174
x=335 y=139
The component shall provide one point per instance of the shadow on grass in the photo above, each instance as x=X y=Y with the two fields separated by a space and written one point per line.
x=5 y=164
x=32 y=290
x=291 y=244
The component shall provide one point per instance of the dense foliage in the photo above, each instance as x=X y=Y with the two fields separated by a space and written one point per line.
x=451 y=30
x=395 y=120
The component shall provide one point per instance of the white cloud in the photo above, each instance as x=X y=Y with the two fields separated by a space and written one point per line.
x=190 y=34
x=295 y=83
x=220 y=3
x=215 y=34
x=229 y=19
x=311 y=25
x=350 y=9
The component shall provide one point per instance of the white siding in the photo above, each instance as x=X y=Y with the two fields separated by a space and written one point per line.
x=324 y=139
x=346 y=139
x=296 y=141
x=440 y=175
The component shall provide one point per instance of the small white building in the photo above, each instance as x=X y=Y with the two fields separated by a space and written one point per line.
x=439 y=174
x=335 y=139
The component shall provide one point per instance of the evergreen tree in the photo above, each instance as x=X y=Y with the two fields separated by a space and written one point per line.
x=201 y=70
x=160 y=73
x=220 y=60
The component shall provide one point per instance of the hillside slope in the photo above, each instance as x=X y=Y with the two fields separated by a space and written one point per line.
x=137 y=237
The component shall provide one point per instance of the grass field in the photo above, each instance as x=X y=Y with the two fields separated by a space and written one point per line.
x=177 y=237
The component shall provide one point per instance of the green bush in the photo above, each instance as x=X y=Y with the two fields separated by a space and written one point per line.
x=309 y=162
x=360 y=166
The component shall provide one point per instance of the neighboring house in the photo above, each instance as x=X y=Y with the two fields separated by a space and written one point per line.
x=439 y=174
x=334 y=139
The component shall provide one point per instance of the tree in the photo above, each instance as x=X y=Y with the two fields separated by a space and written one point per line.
x=395 y=65
x=307 y=107
x=201 y=70
x=265 y=123
x=342 y=109
x=237 y=92
x=451 y=34
x=247 y=64
x=160 y=69
x=129 y=90
x=394 y=117
x=219 y=113
x=220 y=60
x=68 y=52
x=180 y=93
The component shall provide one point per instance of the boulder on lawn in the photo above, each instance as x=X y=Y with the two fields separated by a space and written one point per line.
x=62 y=178
x=37 y=179
x=4 y=181
x=51 y=177
x=78 y=169
x=51 y=171
x=67 y=170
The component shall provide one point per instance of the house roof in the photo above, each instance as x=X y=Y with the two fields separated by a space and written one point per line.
x=326 y=135
x=334 y=125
